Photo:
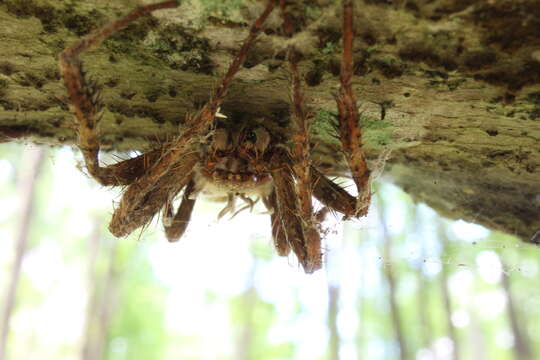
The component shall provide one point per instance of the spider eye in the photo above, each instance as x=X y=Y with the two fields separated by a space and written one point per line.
x=251 y=137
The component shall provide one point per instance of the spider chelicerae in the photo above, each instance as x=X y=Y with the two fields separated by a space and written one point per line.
x=227 y=159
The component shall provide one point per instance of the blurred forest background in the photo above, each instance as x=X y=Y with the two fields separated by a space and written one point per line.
x=401 y=284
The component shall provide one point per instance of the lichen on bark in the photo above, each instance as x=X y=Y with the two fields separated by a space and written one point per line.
x=451 y=88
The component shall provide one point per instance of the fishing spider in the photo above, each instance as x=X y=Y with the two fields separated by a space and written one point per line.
x=224 y=158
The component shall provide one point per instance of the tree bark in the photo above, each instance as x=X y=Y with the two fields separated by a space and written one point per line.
x=450 y=89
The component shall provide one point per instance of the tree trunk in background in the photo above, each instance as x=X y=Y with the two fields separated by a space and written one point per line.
x=451 y=87
x=423 y=309
x=415 y=224
x=423 y=285
x=476 y=338
x=108 y=301
x=90 y=348
x=445 y=291
x=333 y=310
x=361 y=329
x=104 y=277
x=388 y=270
x=244 y=342
x=522 y=347
x=32 y=163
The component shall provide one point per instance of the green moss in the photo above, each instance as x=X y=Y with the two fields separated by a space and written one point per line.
x=534 y=97
x=373 y=123
x=323 y=62
x=52 y=18
x=20 y=8
x=3 y=84
x=152 y=94
x=313 y=13
x=450 y=84
x=435 y=49
x=182 y=50
x=30 y=79
x=129 y=40
x=378 y=138
x=454 y=84
x=324 y=125
x=79 y=24
x=390 y=67
x=375 y=132
x=223 y=9
x=329 y=48
x=29 y=8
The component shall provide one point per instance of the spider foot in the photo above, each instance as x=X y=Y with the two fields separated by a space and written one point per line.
x=362 y=202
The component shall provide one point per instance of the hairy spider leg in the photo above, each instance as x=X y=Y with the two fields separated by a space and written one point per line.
x=298 y=225
x=331 y=194
x=326 y=191
x=350 y=133
x=87 y=107
x=288 y=227
x=311 y=256
x=155 y=185
x=278 y=231
x=179 y=222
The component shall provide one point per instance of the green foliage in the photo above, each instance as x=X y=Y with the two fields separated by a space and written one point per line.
x=222 y=8
x=313 y=12
x=329 y=48
x=324 y=125
x=138 y=329
x=376 y=132
x=3 y=85
x=255 y=318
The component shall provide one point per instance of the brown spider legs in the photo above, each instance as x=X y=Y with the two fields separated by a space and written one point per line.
x=86 y=105
x=156 y=177
x=350 y=133
x=295 y=222
x=176 y=225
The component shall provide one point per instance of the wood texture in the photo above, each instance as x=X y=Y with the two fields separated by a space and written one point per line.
x=445 y=87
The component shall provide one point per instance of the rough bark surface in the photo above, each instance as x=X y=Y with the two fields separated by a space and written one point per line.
x=450 y=89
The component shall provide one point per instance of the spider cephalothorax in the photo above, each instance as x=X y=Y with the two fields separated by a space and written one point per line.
x=233 y=164
x=235 y=157
x=226 y=159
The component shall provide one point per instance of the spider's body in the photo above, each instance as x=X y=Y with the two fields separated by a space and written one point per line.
x=232 y=164
x=233 y=161
x=227 y=159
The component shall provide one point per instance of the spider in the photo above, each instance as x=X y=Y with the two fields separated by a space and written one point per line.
x=227 y=159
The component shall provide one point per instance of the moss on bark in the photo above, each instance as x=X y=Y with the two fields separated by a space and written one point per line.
x=450 y=87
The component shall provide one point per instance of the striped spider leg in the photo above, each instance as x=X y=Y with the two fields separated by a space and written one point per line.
x=153 y=178
x=296 y=179
x=240 y=160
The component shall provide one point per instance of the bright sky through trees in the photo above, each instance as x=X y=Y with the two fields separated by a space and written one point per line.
x=222 y=293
